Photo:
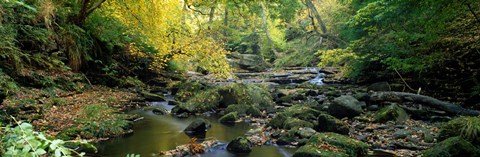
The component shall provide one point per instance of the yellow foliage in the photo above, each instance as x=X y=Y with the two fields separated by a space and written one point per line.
x=161 y=25
x=335 y=57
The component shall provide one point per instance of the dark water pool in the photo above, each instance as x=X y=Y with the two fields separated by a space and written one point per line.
x=158 y=133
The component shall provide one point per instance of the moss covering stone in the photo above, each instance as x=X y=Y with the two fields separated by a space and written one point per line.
x=453 y=146
x=240 y=145
x=225 y=96
x=316 y=151
x=278 y=121
x=332 y=144
x=328 y=123
x=295 y=122
x=391 y=113
x=254 y=111
x=302 y=112
x=229 y=118
x=241 y=109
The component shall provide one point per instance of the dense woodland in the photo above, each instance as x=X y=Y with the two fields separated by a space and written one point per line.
x=56 y=55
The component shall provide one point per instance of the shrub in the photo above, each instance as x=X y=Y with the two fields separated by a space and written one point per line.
x=23 y=141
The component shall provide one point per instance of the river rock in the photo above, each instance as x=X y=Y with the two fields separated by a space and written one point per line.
x=454 y=146
x=278 y=121
x=152 y=97
x=253 y=111
x=240 y=145
x=332 y=144
x=401 y=134
x=379 y=86
x=345 y=106
x=252 y=62
x=328 y=123
x=373 y=108
x=241 y=109
x=295 y=122
x=392 y=112
x=159 y=111
x=306 y=132
x=229 y=118
x=198 y=125
x=173 y=103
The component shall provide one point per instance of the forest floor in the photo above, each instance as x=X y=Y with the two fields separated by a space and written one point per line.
x=77 y=114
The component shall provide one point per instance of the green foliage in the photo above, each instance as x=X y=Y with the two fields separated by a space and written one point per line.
x=7 y=84
x=465 y=127
x=97 y=121
x=23 y=141
x=453 y=146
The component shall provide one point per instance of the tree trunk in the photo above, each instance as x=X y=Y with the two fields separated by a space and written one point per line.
x=314 y=11
x=266 y=30
x=450 y=108
x=87 y=7
x=225 y=21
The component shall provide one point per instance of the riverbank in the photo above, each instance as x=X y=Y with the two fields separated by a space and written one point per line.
x=94 y=113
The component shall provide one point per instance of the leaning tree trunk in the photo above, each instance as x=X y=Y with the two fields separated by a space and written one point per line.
x=450 y=108
x=314 y=11
x=267 y=32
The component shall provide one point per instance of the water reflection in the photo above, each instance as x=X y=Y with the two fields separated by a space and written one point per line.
x=163 y=132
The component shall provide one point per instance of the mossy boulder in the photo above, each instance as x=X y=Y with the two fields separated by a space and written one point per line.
x=159 y=111
x=254 y=111
x=198 y=125
x=295 y=122
x=225 y=96
x=302 y=112
x=453 y=146
x=200 y=103
x=241 y=109
x=391 y=113
x=152 y=97
x=278 y=121
x=186 y=89
x=332 y=144
x=324 y=150
x=345 y=106
x=229 y=118
x=466 y=127
x=240 y=145
x=328 y=123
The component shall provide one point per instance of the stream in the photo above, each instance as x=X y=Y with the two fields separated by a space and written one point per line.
x=156 y=133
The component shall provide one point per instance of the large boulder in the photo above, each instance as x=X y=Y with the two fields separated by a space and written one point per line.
x=240 y=145
x=328 y=123
x=159 y=111
x=152 y=97
x=454 y=146
x=278 y=121
x=391 y=113
x=345 y=106
x=244 y=95
x=229 y=118
x=198 y=125
x=302 y=112
x=295 y=122
x=252 y=62
x=241 y=109
x=331 y=144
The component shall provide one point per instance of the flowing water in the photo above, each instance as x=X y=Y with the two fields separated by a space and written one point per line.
x=157 y=133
